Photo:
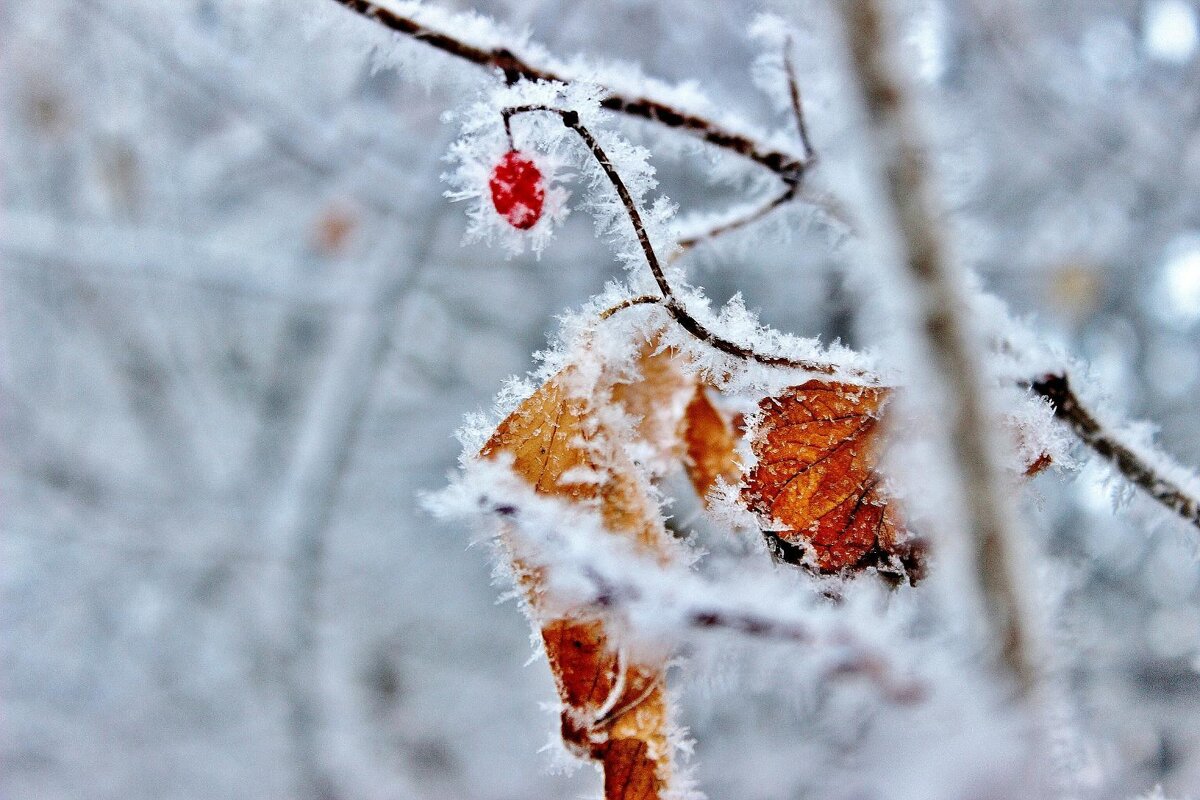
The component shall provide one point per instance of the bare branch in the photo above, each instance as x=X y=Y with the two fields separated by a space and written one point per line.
x=1057 y=389
x=669 y=301
x=786 y=165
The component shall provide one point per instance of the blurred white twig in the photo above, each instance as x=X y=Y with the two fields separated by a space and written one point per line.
x=921 y=255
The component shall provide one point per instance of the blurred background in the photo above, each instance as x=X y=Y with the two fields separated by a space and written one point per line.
x=240 y=329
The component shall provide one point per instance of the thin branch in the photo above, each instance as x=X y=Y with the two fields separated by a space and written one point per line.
x=732 y=225
x=669 y=301
x=860 y=660
x=792 y=185
x=1057 y=389
x=797 y=106
x=788 y=167
x=785 y=165
x=633 y=301
x=642 y=587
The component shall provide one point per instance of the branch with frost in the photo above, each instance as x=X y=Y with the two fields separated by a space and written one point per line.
x=585 y=570
x=669 y=299
x=788 y=166
x=740 y=218
x=1136 y=467
x=920 y=253
x=940 y=323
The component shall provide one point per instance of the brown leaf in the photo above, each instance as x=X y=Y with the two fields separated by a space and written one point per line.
x=709 y=440
x=613 y=711
x=656 y=400
x=816 y=478
x=637 y=750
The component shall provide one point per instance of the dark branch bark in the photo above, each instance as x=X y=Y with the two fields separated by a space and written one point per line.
x=786 y=165
x=1057 y=389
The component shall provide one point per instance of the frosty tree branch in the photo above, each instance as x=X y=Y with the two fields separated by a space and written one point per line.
x=787 y=166
x=669 y=300
x=948 y=335
x=595 y=574
x=786 y=196
x=1057 y=389
x=791 y=187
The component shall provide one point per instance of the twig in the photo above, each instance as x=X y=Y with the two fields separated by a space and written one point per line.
x=1057 y=389
x=789 y=168
x=861 y=662
x=669 y=301
x=791 y=183
x=637 y=588
x=754 y=216
x=786 y=165
x=921 y=253
x=633 y=301
x=810 y=155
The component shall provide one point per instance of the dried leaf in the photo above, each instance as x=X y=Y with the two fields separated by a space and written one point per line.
x=612 y=711
x=815 y=477
x=656 y=400
x=710 y=444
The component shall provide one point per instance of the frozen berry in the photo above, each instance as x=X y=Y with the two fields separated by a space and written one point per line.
x=517 y=191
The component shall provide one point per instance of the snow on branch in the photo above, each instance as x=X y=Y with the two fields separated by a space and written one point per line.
x=1148 y=470
x=918 y=253
x=406 y=19
x=480 y=42
x=585 y=570
x=670 y=300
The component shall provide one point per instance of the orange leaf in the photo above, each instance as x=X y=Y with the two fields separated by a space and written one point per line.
x=613 y=711
x=656 y=400
x=711 y=447
x=816 y=478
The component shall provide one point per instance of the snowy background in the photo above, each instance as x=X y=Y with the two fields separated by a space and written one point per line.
x=240 y=328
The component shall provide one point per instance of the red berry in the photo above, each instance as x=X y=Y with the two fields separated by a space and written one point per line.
x=517 y=191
